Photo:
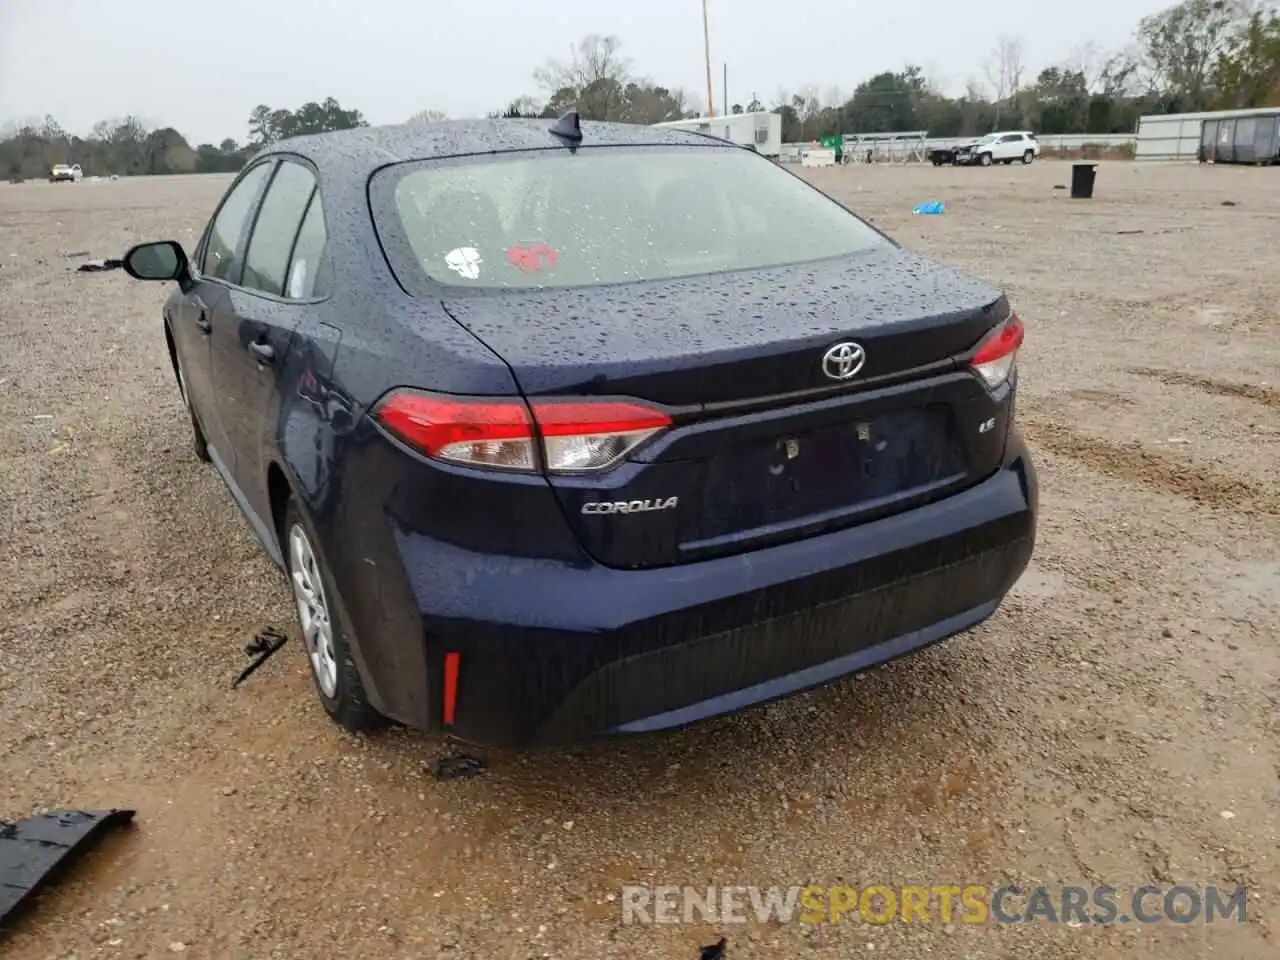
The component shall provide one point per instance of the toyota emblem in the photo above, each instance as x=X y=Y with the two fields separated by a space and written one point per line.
x=843 y=361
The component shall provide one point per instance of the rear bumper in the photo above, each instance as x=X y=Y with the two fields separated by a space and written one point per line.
x=556 y=652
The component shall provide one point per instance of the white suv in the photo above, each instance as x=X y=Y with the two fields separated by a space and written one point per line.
x=64 y=173
x=1004 y=147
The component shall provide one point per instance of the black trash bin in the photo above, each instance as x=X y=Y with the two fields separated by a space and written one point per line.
x=1082 y=177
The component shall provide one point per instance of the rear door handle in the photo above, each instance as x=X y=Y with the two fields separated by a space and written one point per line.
x=202 y=321
x=263 y=352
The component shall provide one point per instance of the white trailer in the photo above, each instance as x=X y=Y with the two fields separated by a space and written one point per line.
x=761 y=130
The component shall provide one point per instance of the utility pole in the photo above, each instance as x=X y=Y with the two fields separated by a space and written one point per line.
x=706 y=44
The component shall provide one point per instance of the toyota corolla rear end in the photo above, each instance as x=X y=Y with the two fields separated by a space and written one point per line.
x=751 y=446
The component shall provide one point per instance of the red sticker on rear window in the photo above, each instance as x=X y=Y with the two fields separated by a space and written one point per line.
x=532 y=257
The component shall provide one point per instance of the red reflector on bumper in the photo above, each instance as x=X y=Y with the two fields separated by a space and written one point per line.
x=450 y=686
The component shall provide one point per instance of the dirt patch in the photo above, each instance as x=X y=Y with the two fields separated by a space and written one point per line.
x=1267 y=396
x=1131 y=462
x=1103 y=398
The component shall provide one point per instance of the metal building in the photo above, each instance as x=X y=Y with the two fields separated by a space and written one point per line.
x=1220 y=136
x=761 y=129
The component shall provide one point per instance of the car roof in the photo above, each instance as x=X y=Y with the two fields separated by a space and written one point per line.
x=371 y=147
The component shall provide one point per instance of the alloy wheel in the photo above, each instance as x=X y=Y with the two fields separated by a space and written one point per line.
x=313 y=611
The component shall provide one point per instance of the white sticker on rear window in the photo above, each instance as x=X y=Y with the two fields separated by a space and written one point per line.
x=464 y=261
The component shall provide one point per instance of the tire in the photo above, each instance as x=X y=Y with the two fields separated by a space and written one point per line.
x=1028 y=156
x=333 y=669
x=197 y=435
x=984 y=159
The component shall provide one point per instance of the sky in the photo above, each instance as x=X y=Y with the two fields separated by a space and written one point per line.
x=202 y=67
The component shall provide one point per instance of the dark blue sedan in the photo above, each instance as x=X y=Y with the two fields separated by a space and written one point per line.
x=569 y=429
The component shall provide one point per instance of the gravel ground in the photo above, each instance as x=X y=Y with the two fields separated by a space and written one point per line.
x=1114 y=724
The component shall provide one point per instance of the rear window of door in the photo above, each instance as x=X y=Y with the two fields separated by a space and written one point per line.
x=223 y=253
x=305 y=279
x=276 y=229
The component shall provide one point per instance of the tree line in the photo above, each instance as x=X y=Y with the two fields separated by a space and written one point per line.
x=1195 y=55
x=127 y=147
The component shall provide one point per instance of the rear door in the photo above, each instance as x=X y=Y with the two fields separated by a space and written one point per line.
x=255 y=324
x=218 y=259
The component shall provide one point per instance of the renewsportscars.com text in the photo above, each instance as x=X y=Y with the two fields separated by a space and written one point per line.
x=939 y=903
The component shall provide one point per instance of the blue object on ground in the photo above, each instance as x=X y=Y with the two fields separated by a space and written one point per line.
x=937 y=206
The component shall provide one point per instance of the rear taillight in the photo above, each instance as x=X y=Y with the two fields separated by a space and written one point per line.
x=567 y=435
x=591 y=435
x=484 y=433
x=996 y=356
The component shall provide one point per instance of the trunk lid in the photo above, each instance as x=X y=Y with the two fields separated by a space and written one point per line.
x=765 y=446
x=733 y=336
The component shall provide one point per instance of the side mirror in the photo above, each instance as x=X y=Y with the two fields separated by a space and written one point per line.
x=159 y=260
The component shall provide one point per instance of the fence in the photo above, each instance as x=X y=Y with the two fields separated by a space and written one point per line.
x=1069 y=143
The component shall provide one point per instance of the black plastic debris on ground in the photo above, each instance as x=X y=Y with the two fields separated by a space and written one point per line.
x=34 y=851
x=456 y=767
x=717 y=951
x=95 y=266
x=264 y=643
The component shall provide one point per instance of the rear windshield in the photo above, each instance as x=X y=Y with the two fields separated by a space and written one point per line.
x=603 y=215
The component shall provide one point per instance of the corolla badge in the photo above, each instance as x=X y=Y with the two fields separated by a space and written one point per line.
x=631 y=506
x=843 y=360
